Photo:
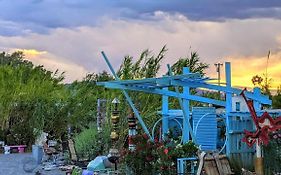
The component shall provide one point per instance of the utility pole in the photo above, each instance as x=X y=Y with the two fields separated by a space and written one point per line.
x=218 y=67
x=266 y=75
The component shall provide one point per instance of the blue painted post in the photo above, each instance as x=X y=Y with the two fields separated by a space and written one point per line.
x=136 y=112
x=228 y=105
x=186 y=108
x=186 y=114
x=257 y=93
x=180 y=166
x=165 y=119
x=259 y=158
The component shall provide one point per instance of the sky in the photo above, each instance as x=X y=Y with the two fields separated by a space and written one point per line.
x=70 y=34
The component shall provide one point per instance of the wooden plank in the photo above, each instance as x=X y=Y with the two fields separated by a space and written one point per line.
x=219 y=164
x=210 y=167
x=226 y=166
x=72 y=150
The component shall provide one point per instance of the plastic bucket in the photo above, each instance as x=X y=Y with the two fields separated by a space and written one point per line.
x=6 y=150
x=37 y=153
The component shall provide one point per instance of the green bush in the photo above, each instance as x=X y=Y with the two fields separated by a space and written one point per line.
x=89 y=143
x=272 y=154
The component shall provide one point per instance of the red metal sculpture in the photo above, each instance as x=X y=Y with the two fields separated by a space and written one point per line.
x=265 y=125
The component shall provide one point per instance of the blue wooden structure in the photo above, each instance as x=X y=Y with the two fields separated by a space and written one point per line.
x=235 y=122
x=204 y=121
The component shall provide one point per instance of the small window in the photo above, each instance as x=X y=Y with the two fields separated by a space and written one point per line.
x=237 y=104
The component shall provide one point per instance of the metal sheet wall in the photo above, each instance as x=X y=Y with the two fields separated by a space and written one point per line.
x=205 y=127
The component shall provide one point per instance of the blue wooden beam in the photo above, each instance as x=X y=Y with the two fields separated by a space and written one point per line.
x=136 y=112
x=185 y=103
x=177 y=81
x=187 y=129
x=155 y=80
x=165 y=119
x=165 y=92
x=261 y=98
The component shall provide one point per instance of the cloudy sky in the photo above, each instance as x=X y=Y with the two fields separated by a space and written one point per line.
x=69 y=34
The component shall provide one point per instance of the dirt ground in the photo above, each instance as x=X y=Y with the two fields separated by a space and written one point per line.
x=13 y=164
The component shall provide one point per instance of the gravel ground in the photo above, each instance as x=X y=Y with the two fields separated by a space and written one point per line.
x=13 y=164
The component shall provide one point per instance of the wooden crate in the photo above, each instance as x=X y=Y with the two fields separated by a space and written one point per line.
x=217 y=165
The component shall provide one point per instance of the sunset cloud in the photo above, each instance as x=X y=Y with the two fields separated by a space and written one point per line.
x=244 y=68
x=30 y=53
x=74 y=46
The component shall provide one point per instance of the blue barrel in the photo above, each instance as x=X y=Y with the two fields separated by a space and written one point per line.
x=37 y=153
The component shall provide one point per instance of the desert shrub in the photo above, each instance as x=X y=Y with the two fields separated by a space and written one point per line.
x=90 y=143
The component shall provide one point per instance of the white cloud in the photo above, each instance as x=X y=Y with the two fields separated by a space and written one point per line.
x=215 y=41
x=52 y=62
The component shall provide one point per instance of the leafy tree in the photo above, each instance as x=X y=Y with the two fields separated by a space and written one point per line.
x=15 y=59
x=276 y=99
x=193 y=62
x=28 y=95
x=262 y=82
x=82 y=99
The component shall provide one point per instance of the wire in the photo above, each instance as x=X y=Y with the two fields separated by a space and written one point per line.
x=156 y=123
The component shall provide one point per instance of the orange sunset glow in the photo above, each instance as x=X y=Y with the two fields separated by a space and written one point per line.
x=243 y=69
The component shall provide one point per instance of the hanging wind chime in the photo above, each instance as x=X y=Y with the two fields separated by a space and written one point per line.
x=113 y=152
x=132 y=131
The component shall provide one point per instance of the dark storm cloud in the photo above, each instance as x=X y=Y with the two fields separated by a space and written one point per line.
x=41 y=15
x=209 y=10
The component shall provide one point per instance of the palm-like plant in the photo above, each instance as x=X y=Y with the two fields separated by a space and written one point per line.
x=193 y=62
x=147 y=66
